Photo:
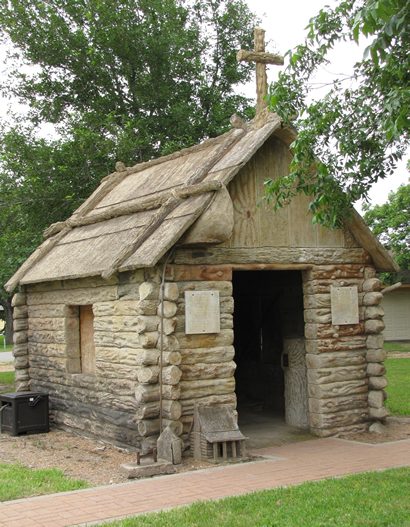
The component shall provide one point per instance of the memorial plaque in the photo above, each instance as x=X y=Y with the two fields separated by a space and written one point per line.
x=345 y=305
x=202 y=312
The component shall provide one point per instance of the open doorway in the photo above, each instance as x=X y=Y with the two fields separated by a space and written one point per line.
x=268 y=313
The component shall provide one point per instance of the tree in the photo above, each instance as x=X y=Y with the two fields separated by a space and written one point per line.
x=119 y=80
x=390 y=222
x=354 y=135
x=149 y=75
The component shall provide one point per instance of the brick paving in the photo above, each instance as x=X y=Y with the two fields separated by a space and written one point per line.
x=287 y=465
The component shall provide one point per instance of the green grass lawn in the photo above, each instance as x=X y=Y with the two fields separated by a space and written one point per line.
x=20 y=482
x=7 y=381
x=375 y=499
x=2 y=347
x=397 y=347
x=398 y=389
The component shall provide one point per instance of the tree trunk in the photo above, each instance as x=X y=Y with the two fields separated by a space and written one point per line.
x=8 y=318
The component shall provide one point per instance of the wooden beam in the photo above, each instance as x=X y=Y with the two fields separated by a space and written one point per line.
x=261 y=57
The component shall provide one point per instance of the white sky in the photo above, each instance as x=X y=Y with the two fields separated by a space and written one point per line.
x=285 y=23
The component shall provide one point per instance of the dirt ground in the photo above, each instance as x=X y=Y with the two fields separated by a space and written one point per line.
x=78 y=457
x=99 y=464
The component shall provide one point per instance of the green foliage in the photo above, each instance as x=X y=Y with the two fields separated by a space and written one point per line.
x=7 y=379
x=397 y=346
x=354 y=135
x=119 y=81
x=21 y=482
x=390 y=222
x=398 y=394
x=366 y=500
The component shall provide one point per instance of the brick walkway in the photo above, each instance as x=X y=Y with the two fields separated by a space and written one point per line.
x=287 y=465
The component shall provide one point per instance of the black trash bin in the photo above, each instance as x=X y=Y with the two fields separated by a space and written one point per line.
x=24 y=412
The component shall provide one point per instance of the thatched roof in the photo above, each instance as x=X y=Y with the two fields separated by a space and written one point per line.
x=137 y=214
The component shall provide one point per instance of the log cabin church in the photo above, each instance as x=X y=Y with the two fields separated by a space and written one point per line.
x=175 y=285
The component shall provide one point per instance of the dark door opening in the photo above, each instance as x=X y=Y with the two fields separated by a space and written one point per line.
x=268 y=309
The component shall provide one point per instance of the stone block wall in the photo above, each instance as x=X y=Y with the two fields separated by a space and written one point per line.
x=120 y=402
x=345 y=373
x=207 y=361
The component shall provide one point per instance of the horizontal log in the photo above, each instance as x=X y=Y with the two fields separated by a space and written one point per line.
x=19 y=299
x=20 y=324
x=115 y=371
x=204 y=388
x=92 y=397
x=167 y=308
x=314 y=287
x=149 y=291
x=323 y=331
x=321 y=301
x=338 y=389
x=336 y=404
x=372 y=299
x=374 y=312
x=125 y=339
x=145 y=393
x=355 y=343
x=124 y=307
x=21 y=362
x=339 y=374
x=171 y=375
x=336 y=359
x=20 y=312
x=334 y=272
x=147 y=357
x=47 y=324
x=207 y=371
x=378 y=413
x=124 y=356
x=170 y=410
x=375 y=369
x=173 y=358
x=117 y=435
x=377 y=383
x=341 y=431
x=207 y=355
x=138 y=323
x=184 y=273
x=375 y=342
x=171 y=291
x=224 y=338
x=19 y=350
x=169 y=343
x=20 y=337
x=76 y=283
x=317 y=316
x=376 y=398
x=150 y=427
x=74 y=296
x=372 y=284
x=374 y=326
x=376 y=355
x=224 y=287
x=22 y=375
x=332 y=420
x=225 y=399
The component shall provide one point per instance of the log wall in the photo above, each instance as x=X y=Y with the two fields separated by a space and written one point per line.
x=119 y=402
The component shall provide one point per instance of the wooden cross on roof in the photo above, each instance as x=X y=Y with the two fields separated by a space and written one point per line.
x=261 y=58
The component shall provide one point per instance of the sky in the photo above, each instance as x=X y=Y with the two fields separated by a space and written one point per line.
x=285 y=23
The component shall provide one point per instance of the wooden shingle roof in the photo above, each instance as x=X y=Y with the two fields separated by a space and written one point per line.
x=137 y=214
